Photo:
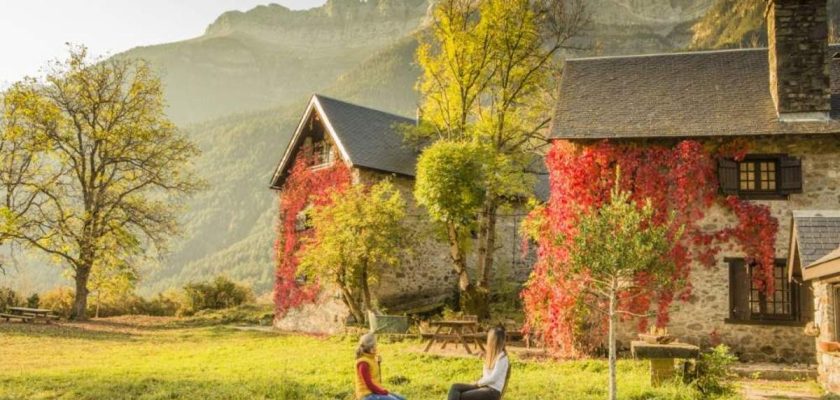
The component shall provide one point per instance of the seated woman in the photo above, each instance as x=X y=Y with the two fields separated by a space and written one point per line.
x=367 y=372
x=496 y=366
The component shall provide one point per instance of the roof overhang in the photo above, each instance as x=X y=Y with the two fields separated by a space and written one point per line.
x=313 y=106
x=826 y=267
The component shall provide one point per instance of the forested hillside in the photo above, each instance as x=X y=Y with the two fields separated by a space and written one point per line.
x=740 y=23
x=239 y=90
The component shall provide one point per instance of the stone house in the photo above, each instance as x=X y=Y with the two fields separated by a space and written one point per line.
x=370 y=142
x=784 y=101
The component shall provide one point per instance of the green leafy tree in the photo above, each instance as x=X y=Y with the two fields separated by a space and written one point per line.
x=488 y=67
x=356 y=235
x=95 y=169
x=614 y=245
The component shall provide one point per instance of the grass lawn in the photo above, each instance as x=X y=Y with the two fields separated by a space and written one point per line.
x=146 y=358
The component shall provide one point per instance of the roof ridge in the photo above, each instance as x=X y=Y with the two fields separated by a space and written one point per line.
x=672 y=54
x=321 y=96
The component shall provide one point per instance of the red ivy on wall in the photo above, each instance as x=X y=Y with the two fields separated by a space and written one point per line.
x=304 y=186
x=681 y=182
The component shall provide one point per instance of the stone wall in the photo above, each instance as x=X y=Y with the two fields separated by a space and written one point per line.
x=708 y=308
x=797 y=37
x=425 y=276
x=828 y=364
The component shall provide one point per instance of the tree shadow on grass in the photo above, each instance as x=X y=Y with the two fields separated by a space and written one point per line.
x=85 y=387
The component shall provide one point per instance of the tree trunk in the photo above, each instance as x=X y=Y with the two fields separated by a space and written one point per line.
x=366 y=298
x=459 y=262
x=613 y=321
x=355 y=311
x=79 y=311
x=490 y=244
x=98 y=302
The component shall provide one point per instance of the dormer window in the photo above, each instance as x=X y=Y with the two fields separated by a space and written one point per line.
x=761 y=176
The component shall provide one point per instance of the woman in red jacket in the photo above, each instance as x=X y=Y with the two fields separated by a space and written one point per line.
x=368 y=377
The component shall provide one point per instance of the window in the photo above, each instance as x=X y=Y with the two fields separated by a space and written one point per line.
x=322 y=154
x=761 y=176
x=757 y=176
x=750 y=304
x=779 y=305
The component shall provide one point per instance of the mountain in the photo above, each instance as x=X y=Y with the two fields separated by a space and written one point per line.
x=740 y=23
x=239 y=89
x=272 y=56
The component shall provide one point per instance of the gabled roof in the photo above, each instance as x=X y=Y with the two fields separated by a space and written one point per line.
x=814 y=235
x=365 y=137
x=704 y=93
x=369 y=138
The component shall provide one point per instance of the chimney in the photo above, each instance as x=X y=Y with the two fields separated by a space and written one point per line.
x=797 y=34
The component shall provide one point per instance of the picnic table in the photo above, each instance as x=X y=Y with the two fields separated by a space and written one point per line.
x=662 y=357
x=26 y=314
x=456 y=331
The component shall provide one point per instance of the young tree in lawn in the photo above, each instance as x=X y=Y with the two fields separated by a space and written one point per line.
x=487 y=66
x=356 y=235
x=101 y=169
x=615 y=245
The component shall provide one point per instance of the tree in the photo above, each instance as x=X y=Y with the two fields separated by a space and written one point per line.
x=356 y=235
x=487 y=69
x=614 y=245
x=109 y=282
x=100 y=169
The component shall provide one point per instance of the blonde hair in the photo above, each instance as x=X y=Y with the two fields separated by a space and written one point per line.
x=495 y=346
x=367 y=343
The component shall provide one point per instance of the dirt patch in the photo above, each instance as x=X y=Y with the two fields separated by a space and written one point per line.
x=757 y=389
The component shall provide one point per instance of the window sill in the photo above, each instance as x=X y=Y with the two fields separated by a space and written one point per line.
x=733 y=321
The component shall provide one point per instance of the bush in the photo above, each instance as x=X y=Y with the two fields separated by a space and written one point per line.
x=219 y=294
x=59 y=300
x=713 y=376
x=33 y=301
x=8 y=298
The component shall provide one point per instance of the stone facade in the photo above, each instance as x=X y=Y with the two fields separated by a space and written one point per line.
x=425 y=276
x=828 y=364
x=797 y=36
x=707 y=310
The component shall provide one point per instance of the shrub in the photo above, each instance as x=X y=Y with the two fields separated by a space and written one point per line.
x=8 y=298
x=219 y=294
x=33 y=301
x=59 y=300
x=713 y=376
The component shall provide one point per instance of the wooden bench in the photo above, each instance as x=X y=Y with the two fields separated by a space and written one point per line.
x=9 y=317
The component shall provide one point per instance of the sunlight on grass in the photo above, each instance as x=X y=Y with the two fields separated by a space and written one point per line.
x=223 y=363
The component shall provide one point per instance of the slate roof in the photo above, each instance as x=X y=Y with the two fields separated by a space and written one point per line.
x=368 y=138
x=817 y=234
x=372 y=139
x=690 y=94
x=834 y=255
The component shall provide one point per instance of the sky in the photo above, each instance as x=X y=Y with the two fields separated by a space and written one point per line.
x=33 y=32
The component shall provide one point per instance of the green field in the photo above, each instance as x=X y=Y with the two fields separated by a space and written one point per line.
x=145 y=358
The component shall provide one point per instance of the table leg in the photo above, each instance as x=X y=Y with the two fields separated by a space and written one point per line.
x=460 y=334
x=432 y=339
x=661 y=370
x=446 y=340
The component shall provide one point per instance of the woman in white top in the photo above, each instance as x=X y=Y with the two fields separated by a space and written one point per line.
x=496 y=366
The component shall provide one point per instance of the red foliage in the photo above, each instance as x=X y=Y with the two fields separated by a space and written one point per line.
x=680 y=181
x=305 y=186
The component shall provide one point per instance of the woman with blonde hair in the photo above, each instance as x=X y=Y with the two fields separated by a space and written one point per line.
x=368 y=376
x=496 y=368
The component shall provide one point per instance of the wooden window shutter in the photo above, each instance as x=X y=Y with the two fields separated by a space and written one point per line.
x=739 y=290
x=728 y=176
x=790 y=174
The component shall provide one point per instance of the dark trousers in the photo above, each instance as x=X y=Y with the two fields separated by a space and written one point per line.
x=461 y=391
